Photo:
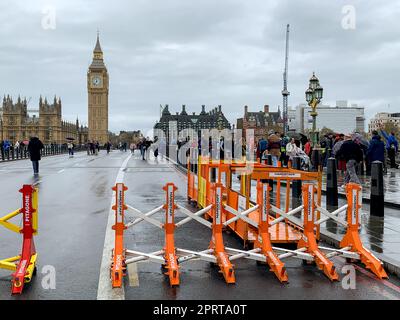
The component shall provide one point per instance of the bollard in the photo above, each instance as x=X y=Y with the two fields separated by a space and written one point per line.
x=331 y=184
x=296 y=184
x=316 y=160
x=377 y=190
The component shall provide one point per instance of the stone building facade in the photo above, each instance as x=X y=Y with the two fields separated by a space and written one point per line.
x=261 y=122
x=17 y=125
x=213 y=119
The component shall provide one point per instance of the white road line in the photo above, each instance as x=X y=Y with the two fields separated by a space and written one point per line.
x=105 y=290
x=133 y=275
x=62 y=170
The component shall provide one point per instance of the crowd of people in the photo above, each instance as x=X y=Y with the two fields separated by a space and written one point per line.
x=352 y=151
x=7 y=147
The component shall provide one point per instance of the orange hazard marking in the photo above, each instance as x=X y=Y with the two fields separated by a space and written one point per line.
x=171 y=260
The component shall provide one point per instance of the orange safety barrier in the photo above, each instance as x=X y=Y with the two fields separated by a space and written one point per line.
x=309 y=240
x=352 y=236
x=118 y=261
x=24 y=265
x=263 y=200
x=203 y=173
x=171 y=260
x=217 y=242
x=120 y=253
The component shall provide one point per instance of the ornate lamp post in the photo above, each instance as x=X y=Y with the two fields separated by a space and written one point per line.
x=314 y=95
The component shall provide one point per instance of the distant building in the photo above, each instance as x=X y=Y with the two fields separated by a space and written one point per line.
x=382 y=119
x=342 y=118
x=214 y=119
x=17 y=124
x=261 y=122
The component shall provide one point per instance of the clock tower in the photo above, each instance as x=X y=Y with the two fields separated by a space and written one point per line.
x=97 y=85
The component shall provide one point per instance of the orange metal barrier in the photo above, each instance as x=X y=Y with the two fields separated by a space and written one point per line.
x=263 y=200
x=352 y=236
x=217 y=242
x=120 y=253
x=171 y=260
x=309 y=240
x=118 y=263
x=23 y=265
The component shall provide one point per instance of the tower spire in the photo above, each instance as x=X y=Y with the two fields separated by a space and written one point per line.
x=97 y=48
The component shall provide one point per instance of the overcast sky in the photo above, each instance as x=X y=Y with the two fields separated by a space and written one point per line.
x=208 y=52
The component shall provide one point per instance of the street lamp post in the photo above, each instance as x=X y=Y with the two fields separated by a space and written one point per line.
x=314 y=95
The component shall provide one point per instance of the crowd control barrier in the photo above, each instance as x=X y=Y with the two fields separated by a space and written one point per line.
x=262 y=217
x=23 y=266
x=268 y=221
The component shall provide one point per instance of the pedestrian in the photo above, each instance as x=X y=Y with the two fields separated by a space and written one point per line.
x=97 y=147
x=16 y=147
x=70 y=147
x=291 y=149
x=351 y=152
x=262 y=146
x=392 y=147
x=307 y=147
x=108 y=146
x=274 y=146
x=132 y=147
x=6 y=148
x=34 y=147
x=341 y=164
x=284 y=157
x=376 y=149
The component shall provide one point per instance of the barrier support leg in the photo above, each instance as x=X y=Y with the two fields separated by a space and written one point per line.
x=276 y=265
x=118 y=266
x=352 y=237
x=27 y=262
x=309 y=240
x=171 y=260
x=217 y=241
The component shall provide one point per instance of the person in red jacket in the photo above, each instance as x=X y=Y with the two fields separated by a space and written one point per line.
x=307 y=148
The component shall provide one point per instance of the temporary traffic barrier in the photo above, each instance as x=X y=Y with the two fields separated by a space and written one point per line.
x=243 y=216
x=308 y=240
x=23 y=265
x=351 y=246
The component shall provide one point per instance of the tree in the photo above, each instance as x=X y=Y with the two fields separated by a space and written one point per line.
x=325 y=131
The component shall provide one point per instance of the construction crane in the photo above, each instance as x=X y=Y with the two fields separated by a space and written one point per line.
x=285 y=92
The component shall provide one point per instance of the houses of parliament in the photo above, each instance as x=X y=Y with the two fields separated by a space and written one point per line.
x=17 y=123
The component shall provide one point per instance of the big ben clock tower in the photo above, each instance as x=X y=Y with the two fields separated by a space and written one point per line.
x=97 y=84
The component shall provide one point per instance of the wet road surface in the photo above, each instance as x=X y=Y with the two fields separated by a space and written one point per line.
x=74 y=203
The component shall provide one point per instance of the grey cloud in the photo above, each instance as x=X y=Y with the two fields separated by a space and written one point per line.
x=199 y=52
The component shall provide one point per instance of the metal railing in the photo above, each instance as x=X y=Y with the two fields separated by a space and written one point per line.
x=22 y=152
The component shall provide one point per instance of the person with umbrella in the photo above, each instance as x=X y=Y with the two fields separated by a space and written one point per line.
x=70 y=147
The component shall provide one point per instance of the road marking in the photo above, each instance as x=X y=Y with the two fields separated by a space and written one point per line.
x=133 y=275
x=105 y=290
x=62 y=170
x=377 y=289
x=384 y=282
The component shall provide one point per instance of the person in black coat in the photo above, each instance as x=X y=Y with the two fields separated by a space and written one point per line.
x=352 y=153
x=34 y=147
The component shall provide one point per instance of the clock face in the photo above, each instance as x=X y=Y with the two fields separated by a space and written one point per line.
x=96 y=81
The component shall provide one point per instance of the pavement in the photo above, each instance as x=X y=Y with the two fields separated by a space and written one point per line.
x=74 y=211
